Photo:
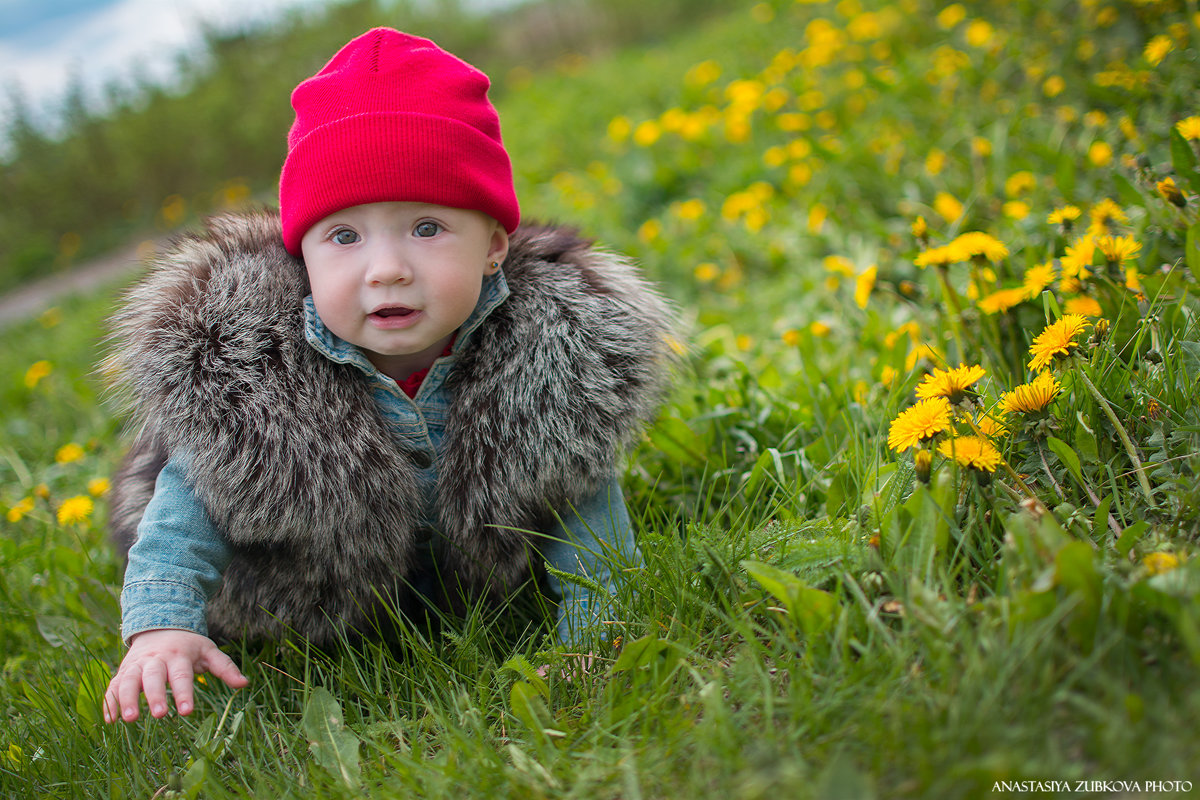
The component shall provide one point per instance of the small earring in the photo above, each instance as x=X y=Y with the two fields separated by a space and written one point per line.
x=495 y=265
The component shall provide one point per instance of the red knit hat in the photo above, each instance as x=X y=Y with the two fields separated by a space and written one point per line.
x=393 y=117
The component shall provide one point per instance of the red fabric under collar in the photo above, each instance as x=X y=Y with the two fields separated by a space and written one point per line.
x=412 y=384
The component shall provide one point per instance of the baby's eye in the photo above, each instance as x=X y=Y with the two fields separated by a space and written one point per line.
x=345 y=236
x=427 y=229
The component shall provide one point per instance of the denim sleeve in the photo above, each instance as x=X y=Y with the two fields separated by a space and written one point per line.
x=177 y=561
x=595 y=541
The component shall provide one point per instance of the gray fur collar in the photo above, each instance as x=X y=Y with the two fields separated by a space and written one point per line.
x=295 y=464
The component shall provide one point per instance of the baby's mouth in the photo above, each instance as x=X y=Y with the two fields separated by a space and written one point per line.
x=393 y=311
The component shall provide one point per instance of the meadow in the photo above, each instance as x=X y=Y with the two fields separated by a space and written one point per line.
x=920 y=518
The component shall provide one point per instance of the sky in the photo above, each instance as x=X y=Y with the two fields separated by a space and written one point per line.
x=44 y=43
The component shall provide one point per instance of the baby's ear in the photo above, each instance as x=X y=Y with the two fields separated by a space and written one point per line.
x=498 y=248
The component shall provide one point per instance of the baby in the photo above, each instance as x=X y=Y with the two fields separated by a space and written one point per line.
x=387 y=400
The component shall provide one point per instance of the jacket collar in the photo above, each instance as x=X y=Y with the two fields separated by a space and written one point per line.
x=494 y=292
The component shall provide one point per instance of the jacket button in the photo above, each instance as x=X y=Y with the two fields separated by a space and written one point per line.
x=421 y=458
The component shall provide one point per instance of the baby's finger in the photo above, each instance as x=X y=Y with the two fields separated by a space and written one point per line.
x=222 y=666
x=180 y=676
x=112 y=709
x=129 y=690
x=154 y=684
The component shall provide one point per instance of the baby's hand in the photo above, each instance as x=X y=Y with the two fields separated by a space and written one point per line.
x=579 y=664
x=159 y=657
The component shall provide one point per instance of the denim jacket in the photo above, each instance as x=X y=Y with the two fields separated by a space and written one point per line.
x=176 y=563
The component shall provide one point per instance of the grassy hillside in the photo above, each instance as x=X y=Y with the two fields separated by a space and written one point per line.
x=920 y=519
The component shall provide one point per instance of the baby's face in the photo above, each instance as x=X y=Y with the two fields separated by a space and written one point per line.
x=398 y=279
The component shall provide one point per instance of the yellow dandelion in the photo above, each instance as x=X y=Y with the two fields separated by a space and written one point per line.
x=887 y=375
x=1020 y=183
x=1118 y=249
x=976 y=244
x=950 y=16
x=791 y=337
x=839 y=265
x=39 y=370
x=690 y=209
x=863 y=284
x=1037 y=278
x=935 y=161
x=817 y=215
x=1083 y=305
x=1016 y=209
x=1002 y=300
x=1075 y=263
x=75 y=510
x=979 y=33
x=1106 y=215
x=991 y=427
x=702 y=74
x=1056 y=340
x=707 y=272
x=1170 y=192
x=953 y=384
x=910 y=329
x=97 y=487
x=921 y=422
x=1189 y=128
x=1158 y=563
x=974 y=452
x=935 y=257
x=649 y=231
x=18 y=511
x=1032 y=397
x=947 y=206
x=1156 y=50
x=923 y=465
x=647 y=133
x=1100 y=154
x=1054 y=86
x=920 y=230
x=819 y=329
x=1133 y=281
x=922 y=352
x=1064 y=216
x=69 y=453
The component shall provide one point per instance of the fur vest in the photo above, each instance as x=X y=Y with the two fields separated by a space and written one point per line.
x=295 y=464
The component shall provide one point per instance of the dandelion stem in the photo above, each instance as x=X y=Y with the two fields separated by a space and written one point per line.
x=955 y=315
x=1049 y=474
x=1125 y=440
x=1012 y=473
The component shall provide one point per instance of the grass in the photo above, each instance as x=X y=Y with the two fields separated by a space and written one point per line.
x=814 y=618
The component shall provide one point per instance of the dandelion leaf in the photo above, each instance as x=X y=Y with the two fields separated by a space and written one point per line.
x=1184 y=160
x=334 y=748
x=1067 y=456
x=812 y=609
x=1191 y=350
x=194 y=778
x=1130 y=537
